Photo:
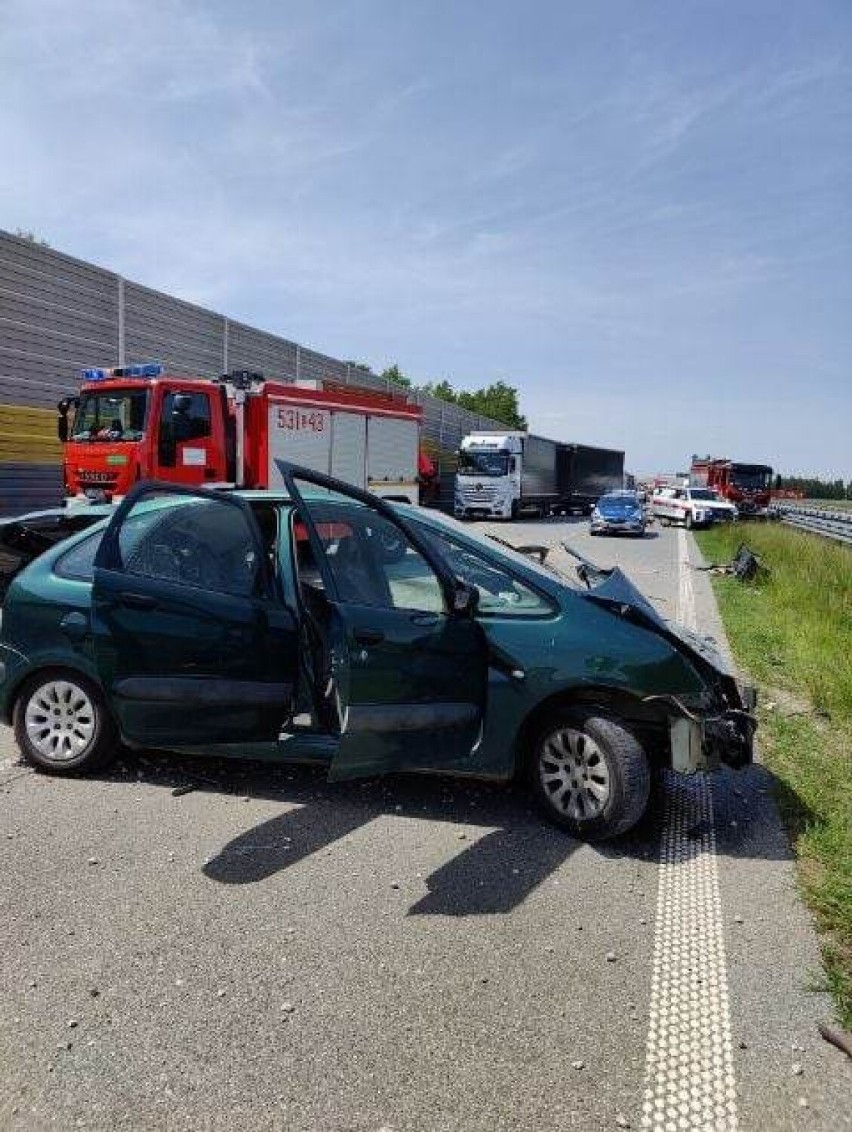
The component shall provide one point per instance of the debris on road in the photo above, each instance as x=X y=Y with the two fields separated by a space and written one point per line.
x=837 y=1037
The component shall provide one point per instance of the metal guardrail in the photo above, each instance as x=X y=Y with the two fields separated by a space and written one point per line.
x=835 y=525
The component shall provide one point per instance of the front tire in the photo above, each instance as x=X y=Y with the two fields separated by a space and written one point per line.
x=62 y=724
x=590 y=775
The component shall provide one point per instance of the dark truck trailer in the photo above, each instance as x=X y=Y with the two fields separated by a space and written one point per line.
x=507 y=474
x=567 y=477
x=540 y=472
x=585 y=474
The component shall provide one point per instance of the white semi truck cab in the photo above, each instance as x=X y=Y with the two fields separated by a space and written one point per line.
x=488 y=478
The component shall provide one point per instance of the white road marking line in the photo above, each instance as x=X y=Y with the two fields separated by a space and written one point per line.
x=689 y=1068
x=685 y=593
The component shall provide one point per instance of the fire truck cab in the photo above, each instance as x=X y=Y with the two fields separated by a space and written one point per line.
x=138 y=422
x=746 y=486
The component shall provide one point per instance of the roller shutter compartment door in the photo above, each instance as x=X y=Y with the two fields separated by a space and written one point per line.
x=392 y=450
x=349 y=447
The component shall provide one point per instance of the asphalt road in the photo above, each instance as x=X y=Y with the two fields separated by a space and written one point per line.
x=269 y=951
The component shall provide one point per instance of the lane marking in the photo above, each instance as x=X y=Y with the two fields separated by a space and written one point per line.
x=689 y=1067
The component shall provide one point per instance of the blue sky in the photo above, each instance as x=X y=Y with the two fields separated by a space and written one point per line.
x=637 y=212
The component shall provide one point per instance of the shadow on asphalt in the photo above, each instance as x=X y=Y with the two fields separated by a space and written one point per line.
x=491 y=875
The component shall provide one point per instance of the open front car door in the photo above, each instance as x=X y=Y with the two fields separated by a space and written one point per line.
x=192 y=642
x=400 y=663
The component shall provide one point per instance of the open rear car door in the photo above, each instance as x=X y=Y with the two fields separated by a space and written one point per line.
x=192 y=642
x=406 y=663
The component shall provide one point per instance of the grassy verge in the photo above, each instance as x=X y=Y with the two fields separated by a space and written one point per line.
x=793 y=633
x=828 y=504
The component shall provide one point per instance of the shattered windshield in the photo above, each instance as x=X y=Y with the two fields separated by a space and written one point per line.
x=117 y=415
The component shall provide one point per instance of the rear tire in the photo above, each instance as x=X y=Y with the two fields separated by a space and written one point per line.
x=62 y=724
x=589 y=774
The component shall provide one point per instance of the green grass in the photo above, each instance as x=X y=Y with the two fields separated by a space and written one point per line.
x=792 y=632
x=826 y=504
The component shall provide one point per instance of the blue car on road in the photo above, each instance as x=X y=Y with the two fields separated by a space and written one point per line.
x=618 y=512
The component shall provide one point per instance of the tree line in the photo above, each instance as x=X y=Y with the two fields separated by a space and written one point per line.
x=499 y=400
x=812 y=487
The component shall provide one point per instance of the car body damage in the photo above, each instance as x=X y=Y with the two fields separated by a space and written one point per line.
x=322 y=624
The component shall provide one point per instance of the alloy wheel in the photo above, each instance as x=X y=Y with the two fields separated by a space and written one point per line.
x=60 y=720
x=574 y=774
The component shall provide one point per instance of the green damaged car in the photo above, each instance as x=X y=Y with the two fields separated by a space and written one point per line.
x=322 y=624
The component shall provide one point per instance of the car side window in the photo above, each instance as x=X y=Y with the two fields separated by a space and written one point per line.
x=78 y=563
x=207 y=544
x=187 y=415
x=371 y=561
x=501 y=593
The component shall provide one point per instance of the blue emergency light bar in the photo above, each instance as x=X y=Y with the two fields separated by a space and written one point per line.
x=147 y=369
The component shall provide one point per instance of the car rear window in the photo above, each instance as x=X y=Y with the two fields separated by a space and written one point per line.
x=78 y=562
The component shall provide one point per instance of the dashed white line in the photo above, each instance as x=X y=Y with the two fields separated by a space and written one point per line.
x=689 y=1068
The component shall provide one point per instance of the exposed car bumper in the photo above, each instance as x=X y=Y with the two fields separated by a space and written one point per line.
x=707 y=740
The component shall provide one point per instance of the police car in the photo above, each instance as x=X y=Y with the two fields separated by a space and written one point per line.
x=692 y=506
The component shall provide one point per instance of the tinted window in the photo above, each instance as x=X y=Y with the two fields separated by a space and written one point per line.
x=187 y=414
x=206 y=544
x=500 y=591
x=79 y=561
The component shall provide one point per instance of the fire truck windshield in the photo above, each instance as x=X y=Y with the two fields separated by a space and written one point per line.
x=751 y=477
x=117 y=415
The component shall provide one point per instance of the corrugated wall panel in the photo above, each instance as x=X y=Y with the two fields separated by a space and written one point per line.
x=253 y=349
x=29 y=487
x=36 y=287
x=57 y=266
x=320 y=367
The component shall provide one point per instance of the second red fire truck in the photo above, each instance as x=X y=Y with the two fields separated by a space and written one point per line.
x=747 y=486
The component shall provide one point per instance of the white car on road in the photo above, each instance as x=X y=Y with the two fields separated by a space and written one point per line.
x=692 y=506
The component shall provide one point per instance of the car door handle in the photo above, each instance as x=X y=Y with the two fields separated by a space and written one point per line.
x=75 y=625
x=427 y=620
x=369 y=636
x=137 y=601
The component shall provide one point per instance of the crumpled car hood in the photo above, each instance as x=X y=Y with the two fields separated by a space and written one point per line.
x=616 y=592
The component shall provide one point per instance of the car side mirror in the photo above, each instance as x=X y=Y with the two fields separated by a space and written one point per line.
x=465 y=599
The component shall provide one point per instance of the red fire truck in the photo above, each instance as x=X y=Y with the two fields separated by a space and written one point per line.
x=747 y=486
x=138 y=422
